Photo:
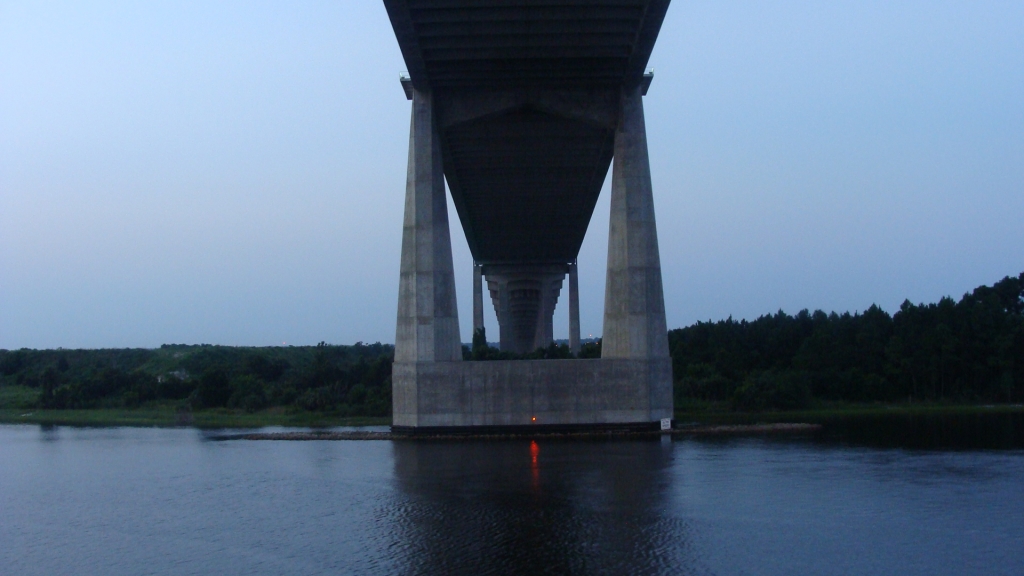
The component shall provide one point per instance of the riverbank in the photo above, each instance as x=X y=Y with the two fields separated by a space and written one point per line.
x=169 y=417
x=734 y=430
x=689 y=417
x=719 y=414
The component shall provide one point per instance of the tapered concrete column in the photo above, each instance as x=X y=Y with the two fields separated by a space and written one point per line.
x=478 y=298
x=428 y=320
x=574 y=311
x=634 y=305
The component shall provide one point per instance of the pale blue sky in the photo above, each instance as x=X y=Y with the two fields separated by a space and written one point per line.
x=233 y=172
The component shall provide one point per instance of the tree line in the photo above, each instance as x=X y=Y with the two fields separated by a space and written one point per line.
x=971 y=350
x=966 y=351
x=347 y=380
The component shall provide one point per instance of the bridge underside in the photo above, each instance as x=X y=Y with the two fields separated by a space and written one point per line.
x=521 y=107
x=525 y=178
x=527 y=98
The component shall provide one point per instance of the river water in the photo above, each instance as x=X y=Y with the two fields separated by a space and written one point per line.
x=175 y=501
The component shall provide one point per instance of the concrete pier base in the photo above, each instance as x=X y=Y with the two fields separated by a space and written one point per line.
x=524 y=393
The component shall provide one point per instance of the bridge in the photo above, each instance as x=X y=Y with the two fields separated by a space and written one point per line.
x=522 y=106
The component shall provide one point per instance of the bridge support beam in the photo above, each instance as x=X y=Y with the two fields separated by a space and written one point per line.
x=634 y=305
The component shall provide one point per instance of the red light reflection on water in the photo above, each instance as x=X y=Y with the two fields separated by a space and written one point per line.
x=534 y=467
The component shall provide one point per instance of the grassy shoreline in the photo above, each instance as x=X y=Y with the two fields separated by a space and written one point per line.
x=221 y=418
x=714 y=414
x=168 y=417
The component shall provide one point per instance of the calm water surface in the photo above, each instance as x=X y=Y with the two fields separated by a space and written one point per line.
x=172 y=501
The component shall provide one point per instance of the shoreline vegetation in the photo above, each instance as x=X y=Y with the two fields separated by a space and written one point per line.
x=952 y=356
x=167 y=417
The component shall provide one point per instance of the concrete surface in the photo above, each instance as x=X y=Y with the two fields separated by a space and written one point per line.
x=428 y=316
x=634 y=304
x=514 y=392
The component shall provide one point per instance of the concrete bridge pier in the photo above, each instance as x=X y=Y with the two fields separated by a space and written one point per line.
x=428 y=316
x=528 y=112
x=634 y=308
x=634 y=305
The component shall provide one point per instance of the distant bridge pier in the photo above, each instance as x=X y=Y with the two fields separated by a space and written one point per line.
x=524 y=298
x=478 y=298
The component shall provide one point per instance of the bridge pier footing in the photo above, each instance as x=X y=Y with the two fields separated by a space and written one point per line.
x=524 y=393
